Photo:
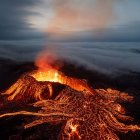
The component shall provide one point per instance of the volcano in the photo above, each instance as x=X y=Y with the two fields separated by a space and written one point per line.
x=80 y=111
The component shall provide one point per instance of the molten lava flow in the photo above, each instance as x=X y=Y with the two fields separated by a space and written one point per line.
x=49 y=75
x=32 y=85
x=27 y=88
x=84 y=116
x=53 y=75
x=37 y=82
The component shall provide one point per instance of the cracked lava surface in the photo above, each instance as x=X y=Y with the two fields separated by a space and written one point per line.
x=85 y=116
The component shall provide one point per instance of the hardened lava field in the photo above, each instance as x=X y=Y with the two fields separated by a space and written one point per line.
x=85 y=115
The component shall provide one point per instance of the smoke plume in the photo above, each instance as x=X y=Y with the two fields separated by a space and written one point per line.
x=81 y=15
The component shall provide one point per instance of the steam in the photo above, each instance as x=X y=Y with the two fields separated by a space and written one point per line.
x=77 y=15
x=48 y=59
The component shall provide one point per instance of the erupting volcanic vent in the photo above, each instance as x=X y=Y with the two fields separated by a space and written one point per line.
x=86 y=114
x=28 y=84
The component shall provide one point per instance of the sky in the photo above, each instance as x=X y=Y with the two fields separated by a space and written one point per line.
x=70 y=20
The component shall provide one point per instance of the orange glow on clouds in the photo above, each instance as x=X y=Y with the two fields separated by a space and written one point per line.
x=65 y=17
x=80 y=15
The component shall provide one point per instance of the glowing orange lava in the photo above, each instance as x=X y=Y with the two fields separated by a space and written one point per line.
x=86 y=114
x=53 y=75
x=37 y=82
